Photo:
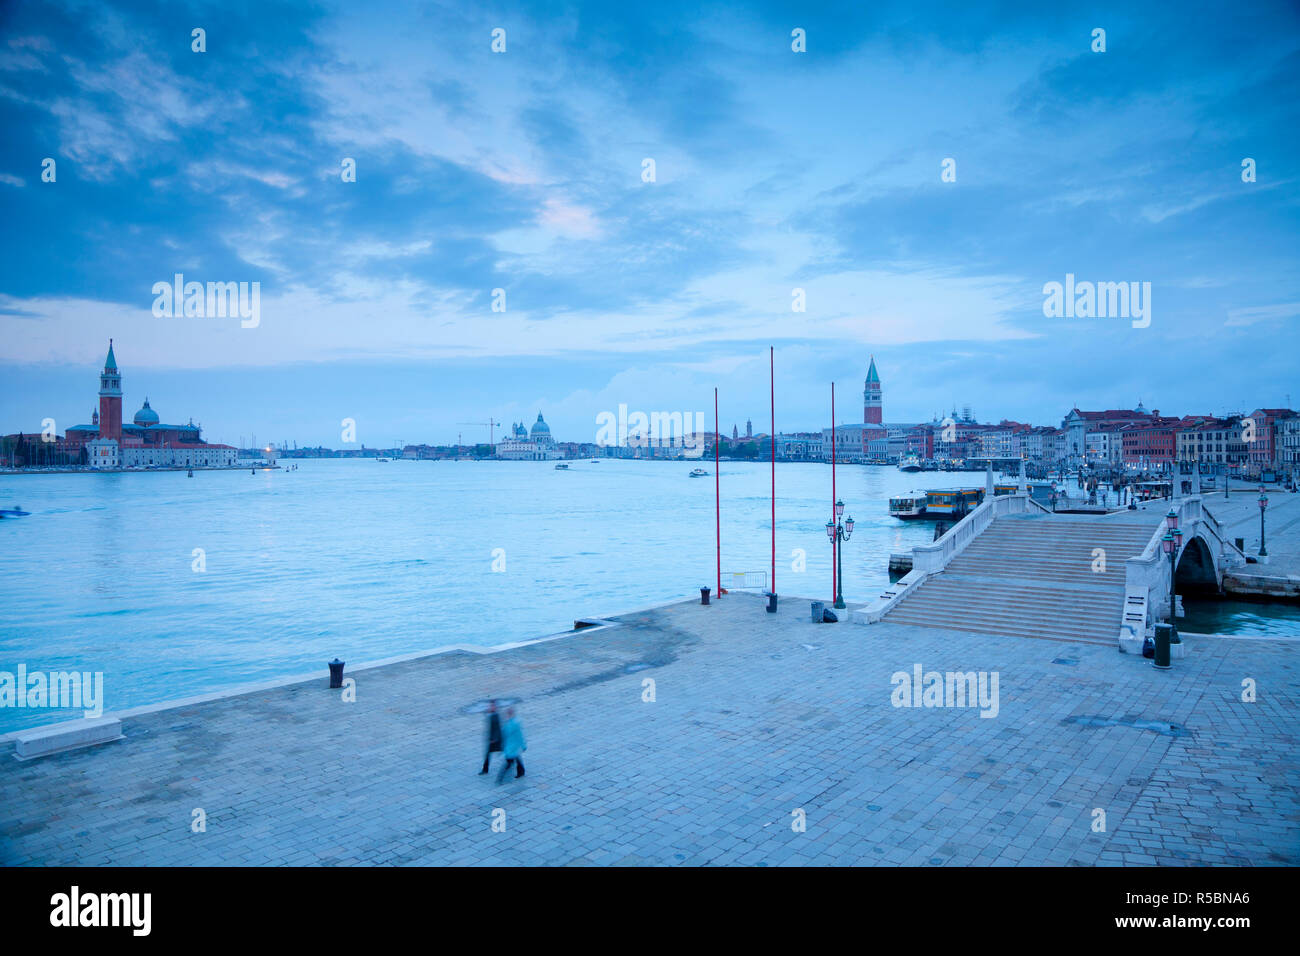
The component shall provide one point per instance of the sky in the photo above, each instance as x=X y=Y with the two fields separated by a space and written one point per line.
x=525 y=170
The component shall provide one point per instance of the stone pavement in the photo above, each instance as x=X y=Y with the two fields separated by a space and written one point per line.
x=755 y=717
x=1239 y=515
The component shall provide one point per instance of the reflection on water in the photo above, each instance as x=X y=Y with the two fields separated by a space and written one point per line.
x=1247 y=618
x=365 y=560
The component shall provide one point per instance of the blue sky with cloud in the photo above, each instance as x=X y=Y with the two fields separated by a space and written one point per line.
x=522 y=171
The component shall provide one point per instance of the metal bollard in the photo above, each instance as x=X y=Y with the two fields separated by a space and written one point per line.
x=336 y=673
x=704 y=595
x=1164 y=633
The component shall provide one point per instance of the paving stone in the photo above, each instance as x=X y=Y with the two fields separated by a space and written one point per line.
x=738 y=737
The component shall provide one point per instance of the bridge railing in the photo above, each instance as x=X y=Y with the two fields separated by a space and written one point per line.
x=928 y=559
x=1147 y=574
x=1232 y=555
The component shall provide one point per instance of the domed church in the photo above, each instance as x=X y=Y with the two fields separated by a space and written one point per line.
x=524 y=445
x=146 y=417
x=146 y=442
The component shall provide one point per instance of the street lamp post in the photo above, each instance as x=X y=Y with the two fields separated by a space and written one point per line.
x=1170 y=542
x=1263 y=503
x=839 y=532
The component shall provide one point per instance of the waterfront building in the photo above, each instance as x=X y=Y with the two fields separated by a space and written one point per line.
x=1060 y=443
x=919 y=441
x=1077 y=424
x=1038 y=443
x=1214 y=441
x=1154 y=440
x=868 y=441
x=1263 y=450
x=1104 y=447
x=800 y=446
x=896 y=445
x=524 y=445
x=850 y=442
x=147 y=442
x=964 y=440
x=1287 y=443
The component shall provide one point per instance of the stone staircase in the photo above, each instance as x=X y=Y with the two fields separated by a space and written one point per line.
x=1032 y=576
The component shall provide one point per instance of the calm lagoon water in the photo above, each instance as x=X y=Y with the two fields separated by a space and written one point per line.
x=1254 y=618
x=365 y=560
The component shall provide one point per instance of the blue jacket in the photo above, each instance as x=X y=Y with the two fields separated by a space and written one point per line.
x=513 y=732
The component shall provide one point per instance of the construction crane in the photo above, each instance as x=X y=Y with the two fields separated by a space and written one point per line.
x=491 y=427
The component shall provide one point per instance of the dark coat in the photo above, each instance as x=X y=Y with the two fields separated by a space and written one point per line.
x=494 y=732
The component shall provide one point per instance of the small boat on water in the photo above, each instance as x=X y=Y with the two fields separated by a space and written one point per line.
x=699 y=473
x=910 y=463
x=14 y=512
x=910 y=505
x=561 y=467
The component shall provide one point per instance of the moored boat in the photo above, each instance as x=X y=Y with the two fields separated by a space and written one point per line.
x=910 y=505
x=952 y=502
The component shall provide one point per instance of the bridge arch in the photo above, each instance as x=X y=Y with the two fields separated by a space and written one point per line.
x=1197 y=571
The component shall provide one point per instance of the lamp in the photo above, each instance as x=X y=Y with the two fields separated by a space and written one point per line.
x=1263 y=503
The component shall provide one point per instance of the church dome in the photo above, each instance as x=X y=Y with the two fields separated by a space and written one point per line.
x=540 y=427
x=146 y=416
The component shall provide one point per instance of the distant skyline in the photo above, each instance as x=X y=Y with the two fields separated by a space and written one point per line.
x=523 y=171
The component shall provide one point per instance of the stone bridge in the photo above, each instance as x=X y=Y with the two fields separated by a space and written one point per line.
x=1012 y=567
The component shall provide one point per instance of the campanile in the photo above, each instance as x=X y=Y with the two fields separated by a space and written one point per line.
x=110 y=398
x=871 y=400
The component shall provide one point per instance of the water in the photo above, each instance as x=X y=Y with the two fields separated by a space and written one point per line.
x=366 y=560
x=1247 y=618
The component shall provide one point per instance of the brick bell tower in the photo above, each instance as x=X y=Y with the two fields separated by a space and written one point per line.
x=110 y=398
x=871 y=399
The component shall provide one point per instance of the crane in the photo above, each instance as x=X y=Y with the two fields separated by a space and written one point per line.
x=491 y=426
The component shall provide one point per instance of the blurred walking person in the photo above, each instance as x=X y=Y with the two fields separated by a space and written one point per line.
x=493 y=735
x=513 y=747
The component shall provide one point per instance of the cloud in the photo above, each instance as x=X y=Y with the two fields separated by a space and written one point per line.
x=1263 y=313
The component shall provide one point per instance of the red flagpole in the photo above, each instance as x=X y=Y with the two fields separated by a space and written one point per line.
x=833 y=570
x=717 y=493
x=771 y=373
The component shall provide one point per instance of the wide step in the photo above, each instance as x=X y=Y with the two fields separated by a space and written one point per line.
x=1032 y=578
